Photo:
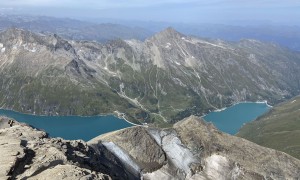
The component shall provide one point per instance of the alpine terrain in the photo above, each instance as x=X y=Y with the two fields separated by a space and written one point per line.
x=191 y=149
x=161 y=80
x=278 y=129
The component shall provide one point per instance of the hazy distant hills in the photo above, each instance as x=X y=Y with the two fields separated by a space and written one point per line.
x=163 y=79
x=288 y=36
x=105 y=30
x=73 y=29
x=284 y=35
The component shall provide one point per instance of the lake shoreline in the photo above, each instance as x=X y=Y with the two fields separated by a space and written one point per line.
x=244 y=102
x=115 y=114
x=232 y=118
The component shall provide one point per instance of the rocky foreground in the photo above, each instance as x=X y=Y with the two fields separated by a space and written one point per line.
x=192 y=149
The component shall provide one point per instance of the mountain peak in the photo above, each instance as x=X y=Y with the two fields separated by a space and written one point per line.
x=16 y=34
x=170 y=30
x=168 y=33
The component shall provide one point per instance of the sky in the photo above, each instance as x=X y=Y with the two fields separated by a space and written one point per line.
x=191 y=11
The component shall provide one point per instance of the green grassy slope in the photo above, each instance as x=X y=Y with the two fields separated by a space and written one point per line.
x=278 y=129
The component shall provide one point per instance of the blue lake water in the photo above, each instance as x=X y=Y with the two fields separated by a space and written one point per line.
x=70 y=127
x=86 y=128
x=232 y=119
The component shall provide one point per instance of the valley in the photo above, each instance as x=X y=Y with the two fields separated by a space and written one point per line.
x=160 y=80
x=149 y=90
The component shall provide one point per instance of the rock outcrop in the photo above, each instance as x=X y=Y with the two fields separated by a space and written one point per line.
x=27 y=153
x=191 y=149
x=194 y=149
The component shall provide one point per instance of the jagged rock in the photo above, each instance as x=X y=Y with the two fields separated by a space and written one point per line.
x=27 y=153
x=195 y=149
x=191 y=149
x=134 y=141
x=68 y=172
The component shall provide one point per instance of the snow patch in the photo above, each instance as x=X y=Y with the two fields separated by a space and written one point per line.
x=2 y=48
x=177 y=153
x=168 y=45
x=29 y=47
x=122 y=155
x=293 y=101
x=177 y=63
x=155 y=134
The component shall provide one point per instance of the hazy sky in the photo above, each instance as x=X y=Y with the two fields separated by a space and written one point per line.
x=197 y=11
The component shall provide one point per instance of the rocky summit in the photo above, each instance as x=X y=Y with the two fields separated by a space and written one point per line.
x=161 y=80
x=191 y=149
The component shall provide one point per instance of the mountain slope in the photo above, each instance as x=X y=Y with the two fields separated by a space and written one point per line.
x=163 y=79
x=278 y=129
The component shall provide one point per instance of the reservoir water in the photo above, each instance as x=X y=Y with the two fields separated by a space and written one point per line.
x=232 y=119
x=229 y=120
x=70 y=127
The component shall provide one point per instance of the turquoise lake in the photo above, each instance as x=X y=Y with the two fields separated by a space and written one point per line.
x=70 y=127
x=229 y=120
x=232 y=119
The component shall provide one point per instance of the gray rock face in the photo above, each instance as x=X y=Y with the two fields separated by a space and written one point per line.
x=194 y=149
x=141 y=79
x=27 y=153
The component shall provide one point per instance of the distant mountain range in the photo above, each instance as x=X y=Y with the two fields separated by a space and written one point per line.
x=73 y=29
x=105 y=30
x=163 y=79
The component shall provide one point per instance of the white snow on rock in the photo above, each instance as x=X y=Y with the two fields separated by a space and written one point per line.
x=180 y=156
x=2 y=48
x=29 y=47
x=168 y=45
x=177 y=63
x=122 y=155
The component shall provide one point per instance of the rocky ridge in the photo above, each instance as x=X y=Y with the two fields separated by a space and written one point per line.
x=28 y=153
x=191 y=149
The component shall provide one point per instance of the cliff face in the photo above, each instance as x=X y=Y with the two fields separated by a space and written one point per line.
x=192 y=149
x=163 y=79
x=27 y=153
